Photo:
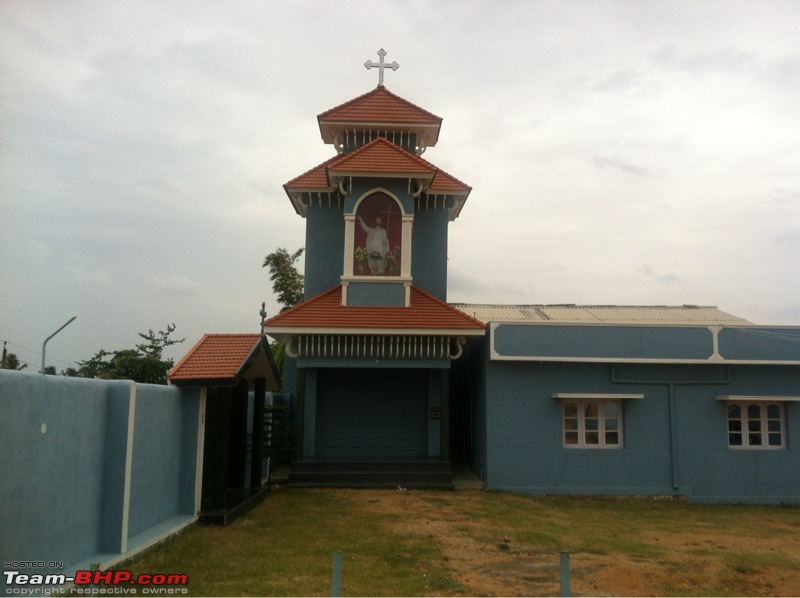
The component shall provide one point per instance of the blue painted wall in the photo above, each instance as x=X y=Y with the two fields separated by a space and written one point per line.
x=716 y=473
x=390 y=294
x=325 y=230
x=164 y=455
x=429 y=267
x=524 y=434
x=760 y=343
x=52 y=484
x=523 y=426
x=324 y=256
x=62 y=491
x=620 y=342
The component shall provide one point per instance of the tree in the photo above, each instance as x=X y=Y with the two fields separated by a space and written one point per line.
x=145 y=363
x=287 y=282
x=11 y=362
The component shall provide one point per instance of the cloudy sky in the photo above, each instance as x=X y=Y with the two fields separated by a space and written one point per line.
x=636 y=153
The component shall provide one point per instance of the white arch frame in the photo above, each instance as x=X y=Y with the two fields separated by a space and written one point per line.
x=349 y=242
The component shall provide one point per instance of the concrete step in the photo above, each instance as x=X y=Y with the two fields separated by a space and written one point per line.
x=370 y=474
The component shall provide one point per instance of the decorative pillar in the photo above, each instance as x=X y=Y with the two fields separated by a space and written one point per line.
x=407 y=233
x=349 y=241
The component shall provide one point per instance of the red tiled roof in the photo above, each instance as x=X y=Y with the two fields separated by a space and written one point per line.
x=316 y=178
x=426 y=312
x=443 y=183
x=215 y=357
x=378 y=156
x=379 y=106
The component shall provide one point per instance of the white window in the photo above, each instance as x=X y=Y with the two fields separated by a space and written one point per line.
x=592 y=423
x=755 y=425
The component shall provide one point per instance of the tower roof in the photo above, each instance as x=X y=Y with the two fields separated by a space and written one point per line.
x=382 y=110
x=377 y=158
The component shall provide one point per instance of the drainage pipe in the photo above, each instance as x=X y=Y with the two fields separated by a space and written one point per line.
x=671 y=384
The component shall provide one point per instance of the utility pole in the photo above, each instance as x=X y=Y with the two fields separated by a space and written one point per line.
x=44 y=344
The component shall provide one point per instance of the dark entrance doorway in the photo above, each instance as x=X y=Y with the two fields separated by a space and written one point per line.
x=372 y=413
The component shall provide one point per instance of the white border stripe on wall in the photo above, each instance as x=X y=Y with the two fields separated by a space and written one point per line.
x=126 y=499
x=201 y=443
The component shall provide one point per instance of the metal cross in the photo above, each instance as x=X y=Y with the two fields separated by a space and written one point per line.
x=263 y=314
x=381 y=66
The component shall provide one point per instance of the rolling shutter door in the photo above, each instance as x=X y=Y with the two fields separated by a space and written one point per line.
x=372 y=413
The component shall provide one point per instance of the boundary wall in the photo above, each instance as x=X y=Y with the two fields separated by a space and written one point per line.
x=93 y=471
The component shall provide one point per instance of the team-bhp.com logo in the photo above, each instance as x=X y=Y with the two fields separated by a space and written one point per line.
x=95 y=583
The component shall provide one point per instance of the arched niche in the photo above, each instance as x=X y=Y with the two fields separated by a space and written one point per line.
x=377 y=238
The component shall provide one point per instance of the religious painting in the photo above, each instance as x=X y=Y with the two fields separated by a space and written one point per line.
x=378 y=235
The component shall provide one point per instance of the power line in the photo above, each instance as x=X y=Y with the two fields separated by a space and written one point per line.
x=39 y=354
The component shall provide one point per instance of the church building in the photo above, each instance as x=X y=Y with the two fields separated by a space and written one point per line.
x=390 y=384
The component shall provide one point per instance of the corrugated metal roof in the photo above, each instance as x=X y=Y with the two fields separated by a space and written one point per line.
x=606 y=314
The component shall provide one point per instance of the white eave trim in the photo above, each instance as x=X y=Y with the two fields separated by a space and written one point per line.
x=332 y=126
x=756 y=398
x=293 y=331
x=596 y=396
x=329 y=189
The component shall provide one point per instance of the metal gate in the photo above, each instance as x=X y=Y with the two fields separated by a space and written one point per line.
x=372 y=413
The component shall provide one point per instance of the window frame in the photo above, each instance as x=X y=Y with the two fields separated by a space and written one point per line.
x=747 y=431
x=602 y=418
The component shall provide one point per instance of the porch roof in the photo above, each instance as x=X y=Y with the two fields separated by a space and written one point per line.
x=224 y=360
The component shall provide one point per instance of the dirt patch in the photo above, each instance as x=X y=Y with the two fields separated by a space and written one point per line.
x=500 y=566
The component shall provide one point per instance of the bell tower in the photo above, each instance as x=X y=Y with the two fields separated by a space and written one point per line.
x=369 y=349
x=377 y=212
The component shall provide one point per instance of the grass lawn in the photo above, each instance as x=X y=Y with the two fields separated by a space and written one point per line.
x=486 y=543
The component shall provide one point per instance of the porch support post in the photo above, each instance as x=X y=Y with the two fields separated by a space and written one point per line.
x=259 y=395
x=238 y=436
x=220 y=410
x=301 y=411
x=445 y=421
